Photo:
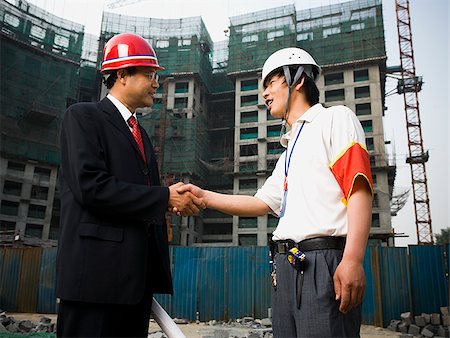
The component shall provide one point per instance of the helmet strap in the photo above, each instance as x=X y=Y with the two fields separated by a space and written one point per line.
x=287 y=76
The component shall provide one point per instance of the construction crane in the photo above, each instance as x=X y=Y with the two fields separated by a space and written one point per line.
x=409 y=85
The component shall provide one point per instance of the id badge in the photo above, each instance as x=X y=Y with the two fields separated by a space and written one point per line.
x=283 y=203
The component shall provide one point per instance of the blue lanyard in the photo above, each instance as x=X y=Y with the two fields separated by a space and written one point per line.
x=287 y=162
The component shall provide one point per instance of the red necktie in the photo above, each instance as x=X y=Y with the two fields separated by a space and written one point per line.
x=137 y=135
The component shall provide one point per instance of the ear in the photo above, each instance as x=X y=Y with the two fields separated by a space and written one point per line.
x=299 y=85
x=121 y=75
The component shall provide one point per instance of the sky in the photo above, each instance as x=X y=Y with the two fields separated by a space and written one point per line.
x=430 y=32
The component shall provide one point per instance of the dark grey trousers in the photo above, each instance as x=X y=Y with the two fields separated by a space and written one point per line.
x=319 y=314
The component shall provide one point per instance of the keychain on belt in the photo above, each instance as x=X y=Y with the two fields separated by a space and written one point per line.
x=287 y=163
x=273 y=268
x=297 y=259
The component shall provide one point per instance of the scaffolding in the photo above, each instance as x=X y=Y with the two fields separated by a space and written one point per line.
x=184 y=143
x=254 y=36
x=89 y=69
x=42 y=53
x=182 y=45
x=342 y=33
x=220 y=82
x=334 y=35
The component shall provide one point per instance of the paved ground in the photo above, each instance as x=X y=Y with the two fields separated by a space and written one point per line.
x=202 y=330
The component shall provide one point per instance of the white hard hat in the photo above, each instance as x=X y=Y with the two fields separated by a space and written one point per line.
x=291 y=56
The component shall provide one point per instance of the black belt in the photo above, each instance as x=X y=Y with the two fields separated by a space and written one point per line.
x=310 y=244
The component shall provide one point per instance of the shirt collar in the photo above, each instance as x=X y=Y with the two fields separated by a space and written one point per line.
x=308 y=116
x=126 y=114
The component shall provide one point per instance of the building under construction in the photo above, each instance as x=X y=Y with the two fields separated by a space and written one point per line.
x=40 y=60
x=209 y=125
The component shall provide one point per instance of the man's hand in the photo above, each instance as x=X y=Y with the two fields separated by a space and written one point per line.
x=349 y=284
x=184 y=203
x=197 y=191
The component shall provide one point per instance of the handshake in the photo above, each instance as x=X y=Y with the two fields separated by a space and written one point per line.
x=186 y=199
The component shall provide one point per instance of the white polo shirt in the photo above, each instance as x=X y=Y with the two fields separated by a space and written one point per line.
x=328 y=156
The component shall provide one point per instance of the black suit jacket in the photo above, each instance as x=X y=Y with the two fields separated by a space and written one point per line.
x=113 y=245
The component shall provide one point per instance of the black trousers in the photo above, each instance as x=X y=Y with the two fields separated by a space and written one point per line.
x=81 y=319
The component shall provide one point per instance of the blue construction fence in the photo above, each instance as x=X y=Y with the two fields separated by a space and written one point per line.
x=225 y=283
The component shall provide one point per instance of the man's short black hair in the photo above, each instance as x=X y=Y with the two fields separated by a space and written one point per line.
x=111 y=78
x=311 y=91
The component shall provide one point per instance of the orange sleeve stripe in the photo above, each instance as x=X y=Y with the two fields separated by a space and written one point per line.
x=351 y=163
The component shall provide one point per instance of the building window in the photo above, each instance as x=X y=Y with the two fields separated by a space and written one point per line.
x=367 y=126
x=249 y=133
x=273 y=131
x=374 y=179
x=12 y=20
x=361 y=92
x=38 y=192
x=372 y=161
x=36 y=211
x=249 y=100
x=334 y=95
x=249 y=116
x=248 y=183
x=42 y=172
x=375 y=220
x=181 y=103
x=331 y=31
x=305 y=36
x=184 y=42
x=250 y=38
x=274 y=148
x=248 y=222
x=61 y=41
x=247 y=240
x=375 y=201
x=249 y=85
x=334 y=78
x=6 y=226
x=248 y=166
x=181 y=87
x=248 y=149
x=363 y=109
x=162 y=44
x=37 y=32
x=16 y=166
x=12 y=188
x=272 y=35
x=9 y=208
x=361 y=75
x=271 y=164
x=369 y=144
x=272 y=221
x=33 y=230
x=358 y=26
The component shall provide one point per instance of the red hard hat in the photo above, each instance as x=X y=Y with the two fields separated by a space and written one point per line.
x=128 y=50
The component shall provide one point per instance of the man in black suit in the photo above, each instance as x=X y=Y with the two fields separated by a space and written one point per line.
x=113 y=247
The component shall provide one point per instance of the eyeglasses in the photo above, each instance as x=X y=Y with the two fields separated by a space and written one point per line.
x=152 y=76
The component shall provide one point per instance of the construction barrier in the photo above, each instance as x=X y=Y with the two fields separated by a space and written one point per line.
x=225 y=283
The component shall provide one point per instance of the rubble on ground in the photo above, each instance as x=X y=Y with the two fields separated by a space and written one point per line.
x=10 y=324
x=246 y=327
x=424 y=325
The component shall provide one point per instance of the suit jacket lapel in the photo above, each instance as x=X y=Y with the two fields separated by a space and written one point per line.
x=116 y=119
